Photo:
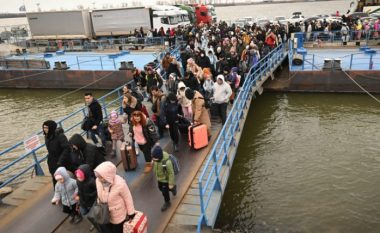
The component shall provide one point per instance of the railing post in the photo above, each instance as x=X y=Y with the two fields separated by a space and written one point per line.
x=218 y=185
x=352 y=57
x=303 y=59
x=370 y=62
x=312 y=65
x=101 y=62
x=37 y=166
x=114 y=63
x=105 y=108
x=78 y=62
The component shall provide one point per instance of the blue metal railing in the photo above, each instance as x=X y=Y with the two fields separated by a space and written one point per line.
x=365 y=58
x=70 y=123
x=116 y=96
x=210 y=179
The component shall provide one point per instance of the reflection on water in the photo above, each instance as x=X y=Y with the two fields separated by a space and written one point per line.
x=306 y=163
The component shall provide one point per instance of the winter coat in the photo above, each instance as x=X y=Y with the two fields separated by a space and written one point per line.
x=67 y=190
x=174 y=68
x=91 y=153
x=153 y=80
x=164 y=175
x=191 y=82
x=115 y=192
x=87 y=188
x=58 y=148
x=222 y=92
x=171 y=86
x=182 y=100
x=95 y=113
x=117 y=129
x=149 y=132
x=208 y=85
x=200 y=113
x=171 y=112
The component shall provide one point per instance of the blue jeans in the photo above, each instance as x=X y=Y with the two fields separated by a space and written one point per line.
x=99 y=131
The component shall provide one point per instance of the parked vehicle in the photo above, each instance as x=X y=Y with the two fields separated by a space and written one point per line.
x=296 y=18
x=60 y=25
x=82 y=24
x=123 y=21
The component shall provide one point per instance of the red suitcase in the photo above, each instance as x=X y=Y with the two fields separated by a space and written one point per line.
x=128 y=156
x=198 y=137
x=139 y=224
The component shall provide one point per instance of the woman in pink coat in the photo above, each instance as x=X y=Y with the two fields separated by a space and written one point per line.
x=113 y=189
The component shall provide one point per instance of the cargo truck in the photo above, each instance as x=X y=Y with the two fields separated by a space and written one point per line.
x=58 y=25
x=123 y=21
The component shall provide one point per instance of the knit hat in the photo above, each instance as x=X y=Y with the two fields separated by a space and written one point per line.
x=189 y=93
x=113 y=115
x=80 y=174
x=58 y=177
x=157 y=153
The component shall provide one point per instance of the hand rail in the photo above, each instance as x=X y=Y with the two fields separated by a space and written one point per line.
x=218 y=155
x=115 y=95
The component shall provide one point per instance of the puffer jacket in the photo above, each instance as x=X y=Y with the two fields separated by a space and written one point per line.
x=67 y=190
x=87 y=188
x=90 y=152
x=162 y=175
x=115 y=192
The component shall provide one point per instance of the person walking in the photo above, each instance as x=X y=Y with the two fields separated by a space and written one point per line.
x=201 y=115
x=95 y=117
x=144 y=133
x=113 y=190
x=171 y=111
x=66 y=190
x=87 y=193
x=164 y=172
x=91 y=154
x=184 y=102
x=222 y=92
x=57 y=146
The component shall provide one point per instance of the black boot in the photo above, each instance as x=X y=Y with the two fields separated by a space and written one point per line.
x=165 y=206
x=174 y=190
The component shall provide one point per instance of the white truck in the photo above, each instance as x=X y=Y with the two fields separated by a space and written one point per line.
x=123 y=21
x=58 y=25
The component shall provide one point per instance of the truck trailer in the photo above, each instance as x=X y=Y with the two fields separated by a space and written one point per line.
x=123 y=21
x=57 y=25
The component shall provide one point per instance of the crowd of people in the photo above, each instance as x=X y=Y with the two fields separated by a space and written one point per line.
x=188 y=89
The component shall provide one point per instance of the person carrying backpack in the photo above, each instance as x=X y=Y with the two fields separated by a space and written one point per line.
x=164 y=171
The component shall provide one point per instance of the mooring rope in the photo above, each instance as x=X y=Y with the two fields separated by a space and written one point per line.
x=368 y=93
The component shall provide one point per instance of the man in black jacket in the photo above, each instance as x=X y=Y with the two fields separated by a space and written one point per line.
x=91 y=154
x=95 y=116
x=57 y=146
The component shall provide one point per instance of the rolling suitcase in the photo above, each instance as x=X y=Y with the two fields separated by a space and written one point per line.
x=139 y=224
x=198 y=136
x=128 y=156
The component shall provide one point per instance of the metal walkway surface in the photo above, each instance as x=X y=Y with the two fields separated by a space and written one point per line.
x=36 y=214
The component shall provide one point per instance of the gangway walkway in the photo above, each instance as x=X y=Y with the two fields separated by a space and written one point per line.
x=36 y=214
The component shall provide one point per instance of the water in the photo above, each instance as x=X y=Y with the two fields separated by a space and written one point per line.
x=281 y=9
x=24 y=111
x=306 y=163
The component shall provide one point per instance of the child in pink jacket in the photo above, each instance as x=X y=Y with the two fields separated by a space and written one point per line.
x=113 y=189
